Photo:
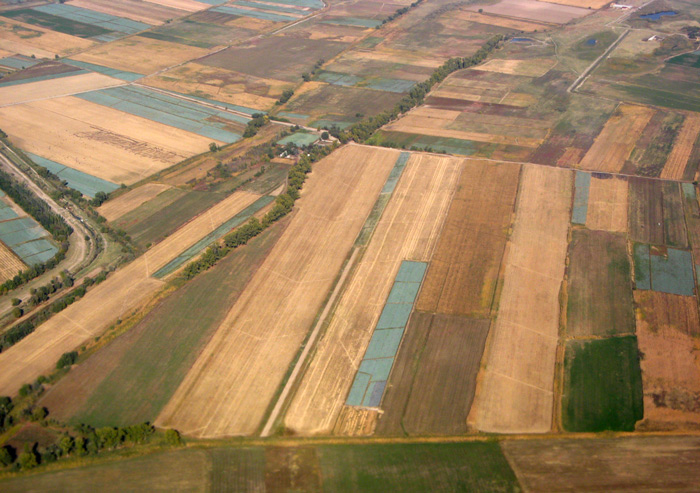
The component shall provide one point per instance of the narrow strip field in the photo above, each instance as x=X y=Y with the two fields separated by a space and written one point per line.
x=607 y=204
x=678 y=159
x=10 y=264
x=231 y=384
x=46 y=89
x=615 y=142
x=462 y=276
x=516 y=393
x=122 y=292
x=129 y=201
x=408 y=229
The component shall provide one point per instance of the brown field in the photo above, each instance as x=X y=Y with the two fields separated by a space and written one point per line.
x=607 y=204
x=606 y=464
x=46 y=89
x=461 y=279
x=534 y=10
x=571 y=157
x=10 y=264
x=432 y=394
x=408 y=229
x=535 y=67
x=122 y=292
x=188 y=5
x=129 y=201
x=677 y=161
x=254 y=346
x=585 y=4
x=220 y=84
x=356 y=421
x=493 y=20
x=516 y=386
x=140 y=54
x=667 y=333
x=28 y=40
x=140 y=11
x=98 y=140
x=599 y=285
x=656 y=213
x=615 y=142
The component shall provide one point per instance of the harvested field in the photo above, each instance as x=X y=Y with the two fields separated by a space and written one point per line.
x=129 y=201
x=25 y=39
x=461 y=279
x=615 y=142
x=122 y=292
x=667 y=330
x=656 y=213
x=133 y=378
x=356 y=421
x=252 y=349
x=692 y=217
x=585 y=4
x=10 y=264
x=607 y=204
x=46 y=89
x=599 y=286
x=516 y=388
x=493 y=20
x=146 y=12
x=534 y=10
x=530 y=67
x=606 y=464
x=80 y=134
x=432 y=386
x=408 y=229
x=678 y=159
x=188 y=5
x=140 y=54
x=602 y=385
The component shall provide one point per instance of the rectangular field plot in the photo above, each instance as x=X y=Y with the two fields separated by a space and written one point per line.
x=368 y=388
x=403 y=467
x=101 y=69
x=23 y=236
x=27 y=40
x=656 y=213
x=259 y=337
x=518 y=379
x=107 y=22
x=462 y=275
x=408 y=229
x=679 y=158
x=10 y=264
x=97 y=140
x=632 y=464
x=534 y=10
x=86 y=184
x=433 y=381
x=616 y=141
x=21 y=92
x=667 y=330
x=607 y=204
x=139 y=11
x=179 y=113
x=582 y=185
x=602 y=385
x=129 y=201
x=122 y=292
x=662 y=269
x=599 y=285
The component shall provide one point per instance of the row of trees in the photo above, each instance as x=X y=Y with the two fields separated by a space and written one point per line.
x=282 y=206
x=400 y=12
x=362 y=131
x=34 y=270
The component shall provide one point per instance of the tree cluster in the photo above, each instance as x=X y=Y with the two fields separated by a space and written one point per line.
x=286 y=96
x=400 y=12
x=258 y=120
x=307 y=76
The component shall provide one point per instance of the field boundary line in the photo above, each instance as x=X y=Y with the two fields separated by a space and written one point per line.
x=309 y=344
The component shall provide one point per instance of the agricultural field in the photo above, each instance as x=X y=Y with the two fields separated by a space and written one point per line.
x=248 y=351
x=407 y=230
x=23 y=240
x=123 y=292
x=554 y=13
x=131 y=200
x=25 y=39
x=518 y=378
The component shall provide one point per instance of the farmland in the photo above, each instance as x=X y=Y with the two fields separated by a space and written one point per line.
x=407 y=230
x=285 y=279
x=517 y=392
x=483 y=274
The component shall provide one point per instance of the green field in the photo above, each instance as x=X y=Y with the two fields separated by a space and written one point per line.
x=56 y=23
x=418 y=467
x=131 y=380
x=602 y=385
